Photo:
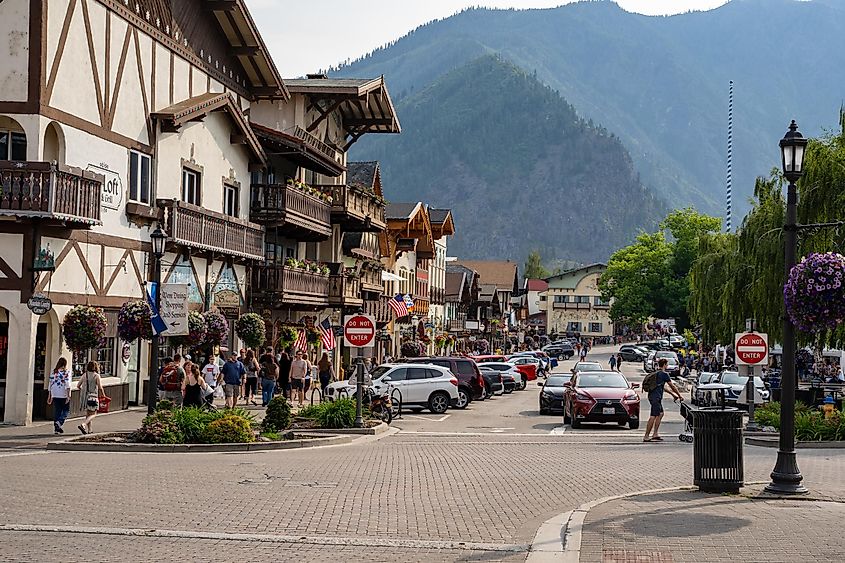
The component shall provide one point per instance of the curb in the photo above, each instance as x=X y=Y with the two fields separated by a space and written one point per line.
x=774 y=443
x=380 y=429
x=73 y=445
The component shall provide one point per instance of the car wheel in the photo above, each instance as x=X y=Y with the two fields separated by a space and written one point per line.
x=487 y=392
x=562 y=357
x=523 y=384
x=508 y=391
x=463 y=398
x=633 y=424
x=438 y=402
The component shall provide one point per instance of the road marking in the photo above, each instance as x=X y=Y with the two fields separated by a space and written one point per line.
x=495 y=430
x=441 y=419
x=557 y=430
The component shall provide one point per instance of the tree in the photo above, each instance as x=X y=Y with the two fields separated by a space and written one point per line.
x=534 y=266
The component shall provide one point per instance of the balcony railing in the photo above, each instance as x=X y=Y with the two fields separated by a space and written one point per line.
x=371 y=280
x=379 y=309
x=438 y=296
x=304 y=216
x=421 y=305
x=50 y=191
x=568 y=305
x=279 y=286
x=345 y=291
x=197 y=227
x=316 y=144
x=457 y=325
x=356 y=209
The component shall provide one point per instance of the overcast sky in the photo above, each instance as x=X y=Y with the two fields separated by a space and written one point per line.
x=307 y=36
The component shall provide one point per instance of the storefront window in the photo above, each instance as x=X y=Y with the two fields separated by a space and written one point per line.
x=104 y=356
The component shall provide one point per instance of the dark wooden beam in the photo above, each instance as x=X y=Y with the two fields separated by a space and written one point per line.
x=221 y=5
x=367 y=122
x=244 y=51
x=324 y=114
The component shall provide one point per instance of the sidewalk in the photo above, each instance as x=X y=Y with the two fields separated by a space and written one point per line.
x=697 y=527
x=41 y=432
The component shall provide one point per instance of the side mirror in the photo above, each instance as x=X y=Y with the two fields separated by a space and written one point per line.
x=635 y=386
x=386 y=379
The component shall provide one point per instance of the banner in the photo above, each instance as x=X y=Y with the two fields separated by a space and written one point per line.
x=155 y=319
x=174 y=308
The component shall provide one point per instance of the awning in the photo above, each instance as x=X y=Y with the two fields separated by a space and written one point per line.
x=387 y=276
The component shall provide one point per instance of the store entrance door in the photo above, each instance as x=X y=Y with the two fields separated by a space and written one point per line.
x=4 y=357
x=39 y=390
x=133 y=368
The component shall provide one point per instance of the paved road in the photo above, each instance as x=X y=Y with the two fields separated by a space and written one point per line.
x=463 y=493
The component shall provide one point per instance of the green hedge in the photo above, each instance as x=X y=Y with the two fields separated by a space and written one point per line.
x=194 y=426
x=810 y=425
x=335 y=414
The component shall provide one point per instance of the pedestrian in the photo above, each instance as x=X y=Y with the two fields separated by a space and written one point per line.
x=59 y=395
x=284 y=374
x=193 y=387
x=91 y=395
x=211 y=374
x=619 y=362
x=269 y=375
x=324 y=368
x=252 y=368
x=583 y=353
x=299 y=367
x=171 y=378
x=653 y=384
x=233 y=374
x=612 y=362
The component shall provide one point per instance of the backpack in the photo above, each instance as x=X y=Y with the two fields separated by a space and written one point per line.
x=270 y=371
x=650 y=382
x=171 y=377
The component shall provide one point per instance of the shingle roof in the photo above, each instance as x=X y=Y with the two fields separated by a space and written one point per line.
x=361 y=174
x=438 y=215
x=500 y=273
x=399 y=210
x=454 y=284
x=536 y=285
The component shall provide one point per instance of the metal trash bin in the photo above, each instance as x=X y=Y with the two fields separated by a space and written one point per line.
x=717 y=449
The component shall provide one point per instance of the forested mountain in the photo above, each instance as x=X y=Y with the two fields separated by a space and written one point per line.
x=518 y=167
x=660 y=83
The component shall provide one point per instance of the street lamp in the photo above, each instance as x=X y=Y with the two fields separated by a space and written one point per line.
x=414 y=321
x=158 y=240
x=786 y=477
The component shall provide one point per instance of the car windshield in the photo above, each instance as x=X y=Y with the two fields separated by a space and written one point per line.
x=670 y=355
x=609 y=379
x=557 y=380
x=379 y=371
x=733 y=378
x=584 y=366
x=704 y=378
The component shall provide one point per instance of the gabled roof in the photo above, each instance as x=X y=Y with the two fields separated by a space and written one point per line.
x=365 y=176
x=488 y=292
x=401 y=210
x=172 y=118
x=571 y=278
x=535 y=284
x=455 y=285
x=442 y=223
x=300 y=149
x=501 y=273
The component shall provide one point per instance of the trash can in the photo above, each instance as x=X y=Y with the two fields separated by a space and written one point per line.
x=717 y=449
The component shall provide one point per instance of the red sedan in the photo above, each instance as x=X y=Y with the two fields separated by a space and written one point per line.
x=601 y=396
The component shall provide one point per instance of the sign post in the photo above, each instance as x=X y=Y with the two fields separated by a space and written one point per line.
x=359 y=331
x=752 y=352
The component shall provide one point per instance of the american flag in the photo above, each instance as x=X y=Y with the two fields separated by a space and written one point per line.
x=400 y=308
x=327 y=334
x=301 y=341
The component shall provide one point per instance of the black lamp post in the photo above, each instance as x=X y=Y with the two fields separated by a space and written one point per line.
x=158 y=239
x=786 y=477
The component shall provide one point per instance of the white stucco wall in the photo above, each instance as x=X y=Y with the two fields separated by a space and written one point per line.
x=14 y=50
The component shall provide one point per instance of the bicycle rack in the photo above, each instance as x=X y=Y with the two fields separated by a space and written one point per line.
x=396 y=399
x=319 y=392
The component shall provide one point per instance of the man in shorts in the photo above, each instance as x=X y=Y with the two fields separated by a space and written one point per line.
x=233 y=372
x=655 y=399
x=299 y=369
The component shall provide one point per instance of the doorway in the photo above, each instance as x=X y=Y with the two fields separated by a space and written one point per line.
x=4 y=361
x=133 y=370
x=39 y=392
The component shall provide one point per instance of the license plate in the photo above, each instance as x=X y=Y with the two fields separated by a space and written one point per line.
x=608 y=410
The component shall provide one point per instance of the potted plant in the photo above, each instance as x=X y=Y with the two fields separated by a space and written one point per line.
x=196 y=331
x=133 y=321
x=84 y=328
x=815 y=292
x=216 y=328
x=250 y=328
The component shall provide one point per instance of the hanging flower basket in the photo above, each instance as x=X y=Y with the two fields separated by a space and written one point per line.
x=84 y=328
x=287 y=336
x=815 y=292
x=133 y=321
x=482 y=346
x=250 y=328
x=216 y=328
x=411 y=349
x=196 y=331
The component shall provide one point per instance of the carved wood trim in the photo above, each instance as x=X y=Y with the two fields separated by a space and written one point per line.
x=8 y=271
x=136 y=267
x=94 y=129
x=108 y=61
x=60 y=48
x=93 y=57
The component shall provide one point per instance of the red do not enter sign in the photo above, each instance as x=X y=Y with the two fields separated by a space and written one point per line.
x=752 y=349
x=359 y=331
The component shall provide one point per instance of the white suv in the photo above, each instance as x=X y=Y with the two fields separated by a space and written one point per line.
x=420 y=385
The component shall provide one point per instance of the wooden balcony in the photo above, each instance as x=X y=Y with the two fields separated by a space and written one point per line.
x=42 y=190
x=371 y=280
x=379 y=309
x=356 y=209
x=571 y=306
x=457 y=325
x=421 y=305
x=345 y=291
x=196 y=227
x=438 y=296
x=302 y=216
x=317 y=145
x=279 y=286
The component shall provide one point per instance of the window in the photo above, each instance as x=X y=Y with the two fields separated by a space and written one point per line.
x=231 y=198
x=417 y=373
x=104 y=356
x=190 y=186
x=397 y=374
x=12 y=145
x=561 y=299
x=574 y=327
x=599 y=302
x=595 y=327
x=543 y=298
x=139 y=177
x=464 y=367
x=582 y=298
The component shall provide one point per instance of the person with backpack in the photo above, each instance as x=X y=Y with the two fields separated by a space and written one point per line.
x=171 y=378
x=653 y=385
x=269 y=376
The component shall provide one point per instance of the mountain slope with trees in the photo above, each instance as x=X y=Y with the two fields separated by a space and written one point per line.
x=518 y=167
x=660 y=83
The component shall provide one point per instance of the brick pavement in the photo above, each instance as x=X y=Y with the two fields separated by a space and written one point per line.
x=695 y=527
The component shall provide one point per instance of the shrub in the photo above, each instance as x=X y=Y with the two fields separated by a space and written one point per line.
x=310 y=412
x=337 y=414
x=275 y=436
x=159 y=428
x=230 y=429
x=164 y=405
x=277 y=416
x=769 y=413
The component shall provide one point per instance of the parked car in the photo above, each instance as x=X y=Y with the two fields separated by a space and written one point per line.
x=738 y=383
x=587 y=366
x=526 y=365
x=431 y=387
x=494 y=384
x=631 y=353
x=489 y=358
x=650 y=345
x=677 y=341
x=551 y=393
x=470 y=381
x=673 y=365
x=601 y=396
x=703 y=378
x=560 y=350
x=511 y=377
x=543 y=367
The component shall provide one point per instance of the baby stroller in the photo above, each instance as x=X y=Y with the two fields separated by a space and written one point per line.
x=686 y=434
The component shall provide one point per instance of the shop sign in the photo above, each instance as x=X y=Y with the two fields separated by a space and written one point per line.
x=174 y=308
x=228 y=302
x=39 y=304
x=111 y=196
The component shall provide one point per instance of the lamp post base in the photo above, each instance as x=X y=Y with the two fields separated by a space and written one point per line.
x=786 y=477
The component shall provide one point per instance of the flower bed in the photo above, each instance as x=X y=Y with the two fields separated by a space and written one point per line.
x=810 y=425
